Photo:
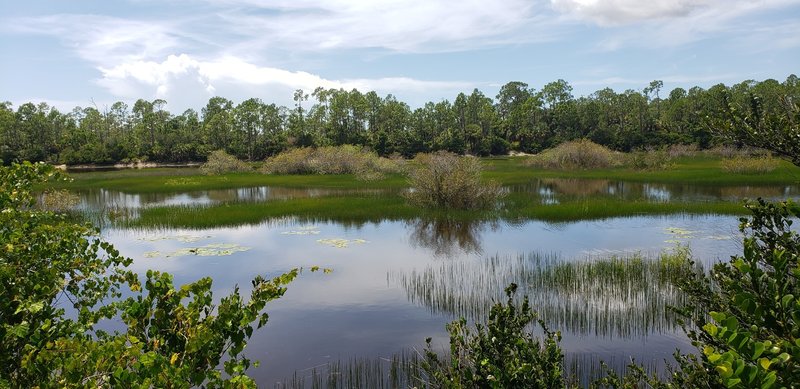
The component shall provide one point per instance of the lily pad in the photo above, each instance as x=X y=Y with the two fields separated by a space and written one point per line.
x=341 y=243
x=209 y=250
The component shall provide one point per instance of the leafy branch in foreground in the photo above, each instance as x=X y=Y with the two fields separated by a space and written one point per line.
x=500 y=354
x=60 y=280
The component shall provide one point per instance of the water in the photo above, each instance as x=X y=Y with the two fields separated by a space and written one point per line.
x=395 y=283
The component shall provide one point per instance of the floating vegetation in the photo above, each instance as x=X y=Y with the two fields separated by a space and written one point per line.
x=306 y=230
x=613 y=297
x=184 y=238
x=209 y=250
x=340 y=243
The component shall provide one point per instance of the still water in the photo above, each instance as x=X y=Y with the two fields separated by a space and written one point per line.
x=395 y=283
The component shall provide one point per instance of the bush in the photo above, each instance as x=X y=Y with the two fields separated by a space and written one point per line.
x=749 y=165
x=347 y=159
x=579 y=154
x=500 y=354
x=166 y=336
x=220 y=162
x=657 y=159
x=446 y=180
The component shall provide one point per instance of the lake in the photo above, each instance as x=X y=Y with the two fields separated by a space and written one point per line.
x=395 y=283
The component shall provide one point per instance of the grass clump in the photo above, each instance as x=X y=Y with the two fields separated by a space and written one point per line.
x=749 y=165
x=578 y=154
x=346 y=159
x=446 y=180
x=220 y=162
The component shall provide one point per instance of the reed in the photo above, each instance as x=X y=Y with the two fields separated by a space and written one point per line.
x=611 y=297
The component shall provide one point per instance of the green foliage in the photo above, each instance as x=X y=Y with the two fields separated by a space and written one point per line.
x=60 y=280
x=446 y=180
x=503 y=353
x=579 y=154
x=220 y=162
x=753 y=336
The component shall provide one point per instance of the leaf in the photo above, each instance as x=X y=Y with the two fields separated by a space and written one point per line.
x=764 y=363
x=174 y=358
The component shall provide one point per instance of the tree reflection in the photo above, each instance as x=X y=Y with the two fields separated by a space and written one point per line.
x=448 y=237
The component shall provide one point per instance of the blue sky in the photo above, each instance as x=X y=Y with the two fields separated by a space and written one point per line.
x=80 y=53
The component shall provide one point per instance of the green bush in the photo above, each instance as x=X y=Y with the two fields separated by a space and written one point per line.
x=749 y=165
x=578 y=154
x=169 y=337
x=500 y=354
x=346 y=159
x=220 y=162
x=446 y=180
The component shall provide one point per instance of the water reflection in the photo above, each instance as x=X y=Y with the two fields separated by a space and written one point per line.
x=553 y=190
x=92 y=199
x=447 y=237
x=603 y=297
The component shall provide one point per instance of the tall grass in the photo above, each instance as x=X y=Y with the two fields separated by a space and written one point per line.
x=749 y=165
x=653 y=159
x=579 y=154
x=617 y=297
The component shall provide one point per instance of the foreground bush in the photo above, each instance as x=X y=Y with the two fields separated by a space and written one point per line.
x=220 y=162
x=347 y=159
x=500 y=354
x=169 y=337
x=578 y=154
x=749 y=165
x=446 y=180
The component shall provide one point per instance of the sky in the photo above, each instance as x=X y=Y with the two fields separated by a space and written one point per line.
x=95 y=52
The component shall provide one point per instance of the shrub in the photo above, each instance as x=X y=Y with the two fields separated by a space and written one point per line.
x=346 y=159
x=220 y=162
x=166 y=337
x=682 y=150
x=749 y=165
x=579 y=154
x=500 y=354
x=657 y=159
x=58 y=200
x=446 y=180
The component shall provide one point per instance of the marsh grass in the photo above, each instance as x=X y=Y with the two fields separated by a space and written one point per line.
x=58 y=200
x=610 y=297
x=578 y=154
x=749 y=165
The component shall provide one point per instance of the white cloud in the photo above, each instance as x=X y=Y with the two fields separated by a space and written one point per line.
x=186 y=82
x=396 y=25
x=103 y=40
x=614 y=12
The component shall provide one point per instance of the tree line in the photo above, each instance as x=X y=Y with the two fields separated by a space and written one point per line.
x=519 y=118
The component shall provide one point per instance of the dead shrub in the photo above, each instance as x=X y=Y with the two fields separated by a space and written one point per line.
x=653 y=159
x=446 y=180
x=578 y=154
x=220 y=162
x=346 y=159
